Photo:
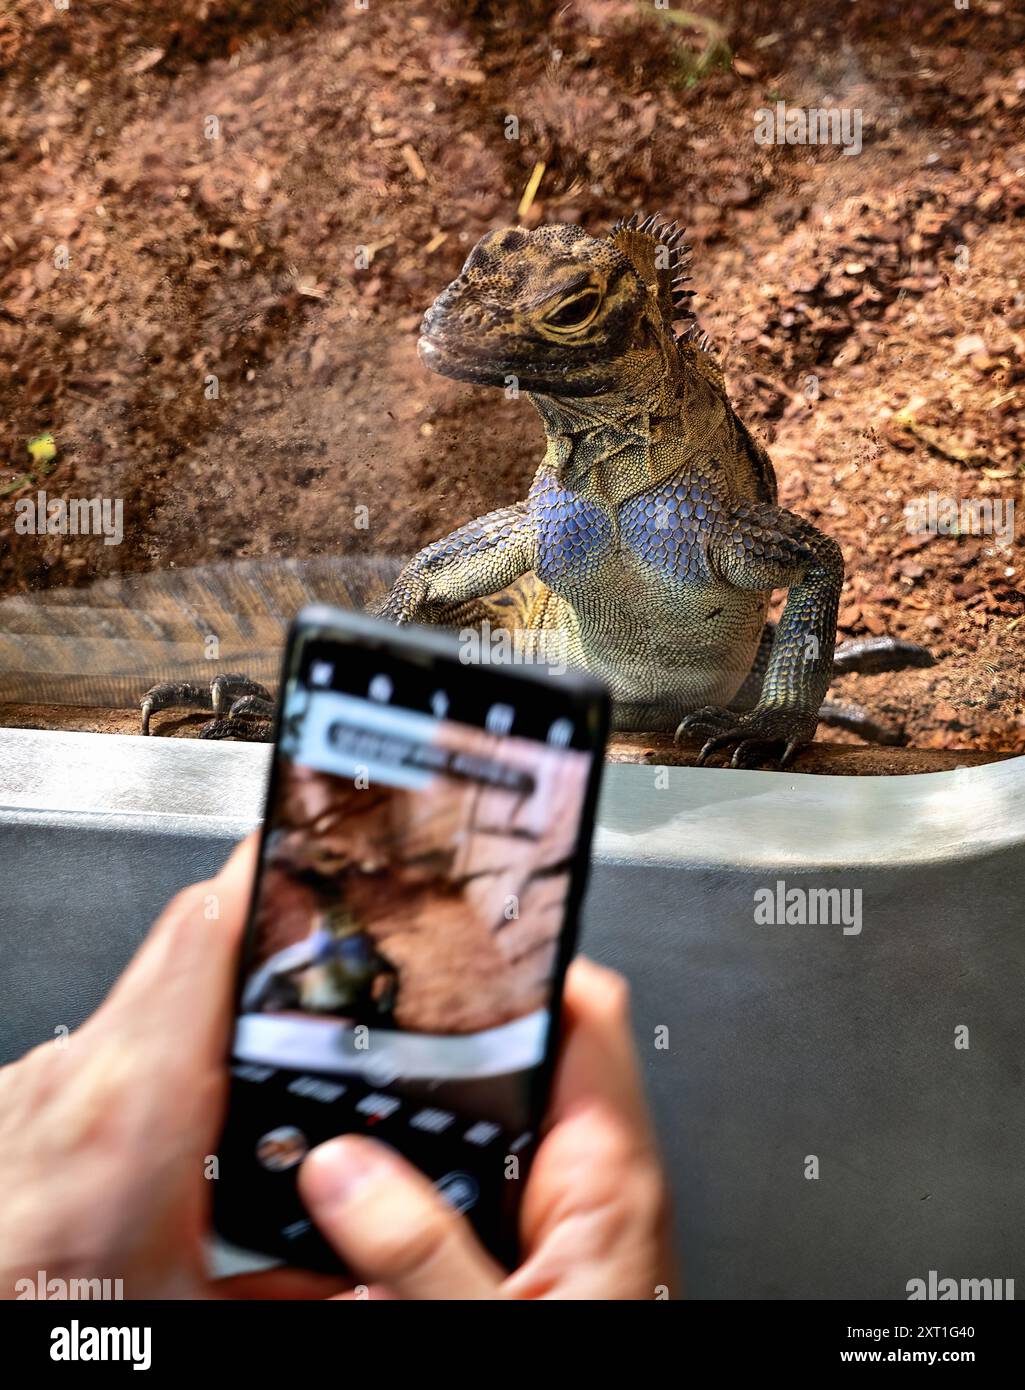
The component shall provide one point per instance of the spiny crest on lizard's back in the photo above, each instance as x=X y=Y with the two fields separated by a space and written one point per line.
x=559 y=311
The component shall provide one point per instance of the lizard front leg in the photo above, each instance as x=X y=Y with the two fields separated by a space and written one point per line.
x=761 y=547
x=865 y=654
x=478 y=559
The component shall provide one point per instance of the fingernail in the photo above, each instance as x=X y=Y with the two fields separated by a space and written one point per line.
x=335 y=1171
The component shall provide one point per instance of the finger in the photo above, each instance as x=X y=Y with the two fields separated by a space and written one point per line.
x=595 y=1216
x=597 y=1059
x=598 y=1165
x=390 y=1226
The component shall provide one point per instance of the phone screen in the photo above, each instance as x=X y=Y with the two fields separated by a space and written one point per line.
x=423 y=858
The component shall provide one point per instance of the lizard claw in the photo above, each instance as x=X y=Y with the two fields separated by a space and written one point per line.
x=793 y=747
x=708 y=720
x=723 y=740
x=745 y=753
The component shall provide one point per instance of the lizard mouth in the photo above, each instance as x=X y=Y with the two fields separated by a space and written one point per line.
x=429 y=352
x=442 y=358
x=470 y=363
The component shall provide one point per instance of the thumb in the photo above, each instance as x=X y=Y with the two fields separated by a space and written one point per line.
x=390 y=1226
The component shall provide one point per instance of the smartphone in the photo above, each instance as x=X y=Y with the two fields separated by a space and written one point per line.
x=423 y=858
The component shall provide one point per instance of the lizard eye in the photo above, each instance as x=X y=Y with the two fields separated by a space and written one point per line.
x=575 y=313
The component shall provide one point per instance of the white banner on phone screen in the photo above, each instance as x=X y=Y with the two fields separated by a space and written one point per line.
x=328 y=1045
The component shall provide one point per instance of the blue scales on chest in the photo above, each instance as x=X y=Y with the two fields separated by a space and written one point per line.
x=664 y=528
x=573 y=533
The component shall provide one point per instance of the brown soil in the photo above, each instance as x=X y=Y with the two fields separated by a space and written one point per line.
x=895 y=279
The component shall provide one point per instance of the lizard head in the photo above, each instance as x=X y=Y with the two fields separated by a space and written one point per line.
x=558 y=312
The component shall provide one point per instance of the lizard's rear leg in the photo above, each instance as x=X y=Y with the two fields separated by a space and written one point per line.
x=500 y=610
x=518 y=607
x=250 y=717
x=524 y=624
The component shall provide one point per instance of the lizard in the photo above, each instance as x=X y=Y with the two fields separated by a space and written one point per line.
x=651 y=539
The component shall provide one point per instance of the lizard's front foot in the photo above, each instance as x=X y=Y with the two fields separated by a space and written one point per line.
x=236 y=702
x=757 y=734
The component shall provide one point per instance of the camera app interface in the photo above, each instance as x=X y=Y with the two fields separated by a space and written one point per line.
x=405 y=936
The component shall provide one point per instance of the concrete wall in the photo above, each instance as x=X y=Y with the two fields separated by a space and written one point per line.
x=784 y=1041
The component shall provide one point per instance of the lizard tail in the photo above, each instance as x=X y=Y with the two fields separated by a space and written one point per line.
x=871 y=655
x=856 y=720
x=106 y=643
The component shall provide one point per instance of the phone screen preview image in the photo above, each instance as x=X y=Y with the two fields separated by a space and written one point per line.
x=423 y=857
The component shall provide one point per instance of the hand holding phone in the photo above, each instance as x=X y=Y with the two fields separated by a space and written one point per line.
x=422 y=863
x=106 y=1162
x=595 y=1220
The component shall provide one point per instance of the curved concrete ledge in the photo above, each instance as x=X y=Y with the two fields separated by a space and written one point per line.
x=765 y=1044
x=717 y=817
x=648 y=814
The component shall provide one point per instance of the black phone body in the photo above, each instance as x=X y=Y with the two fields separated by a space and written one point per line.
x=422 y=862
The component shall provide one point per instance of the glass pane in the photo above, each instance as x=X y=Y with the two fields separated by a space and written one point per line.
x=223 y=225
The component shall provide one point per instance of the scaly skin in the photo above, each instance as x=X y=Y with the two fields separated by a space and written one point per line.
x=651 y=539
